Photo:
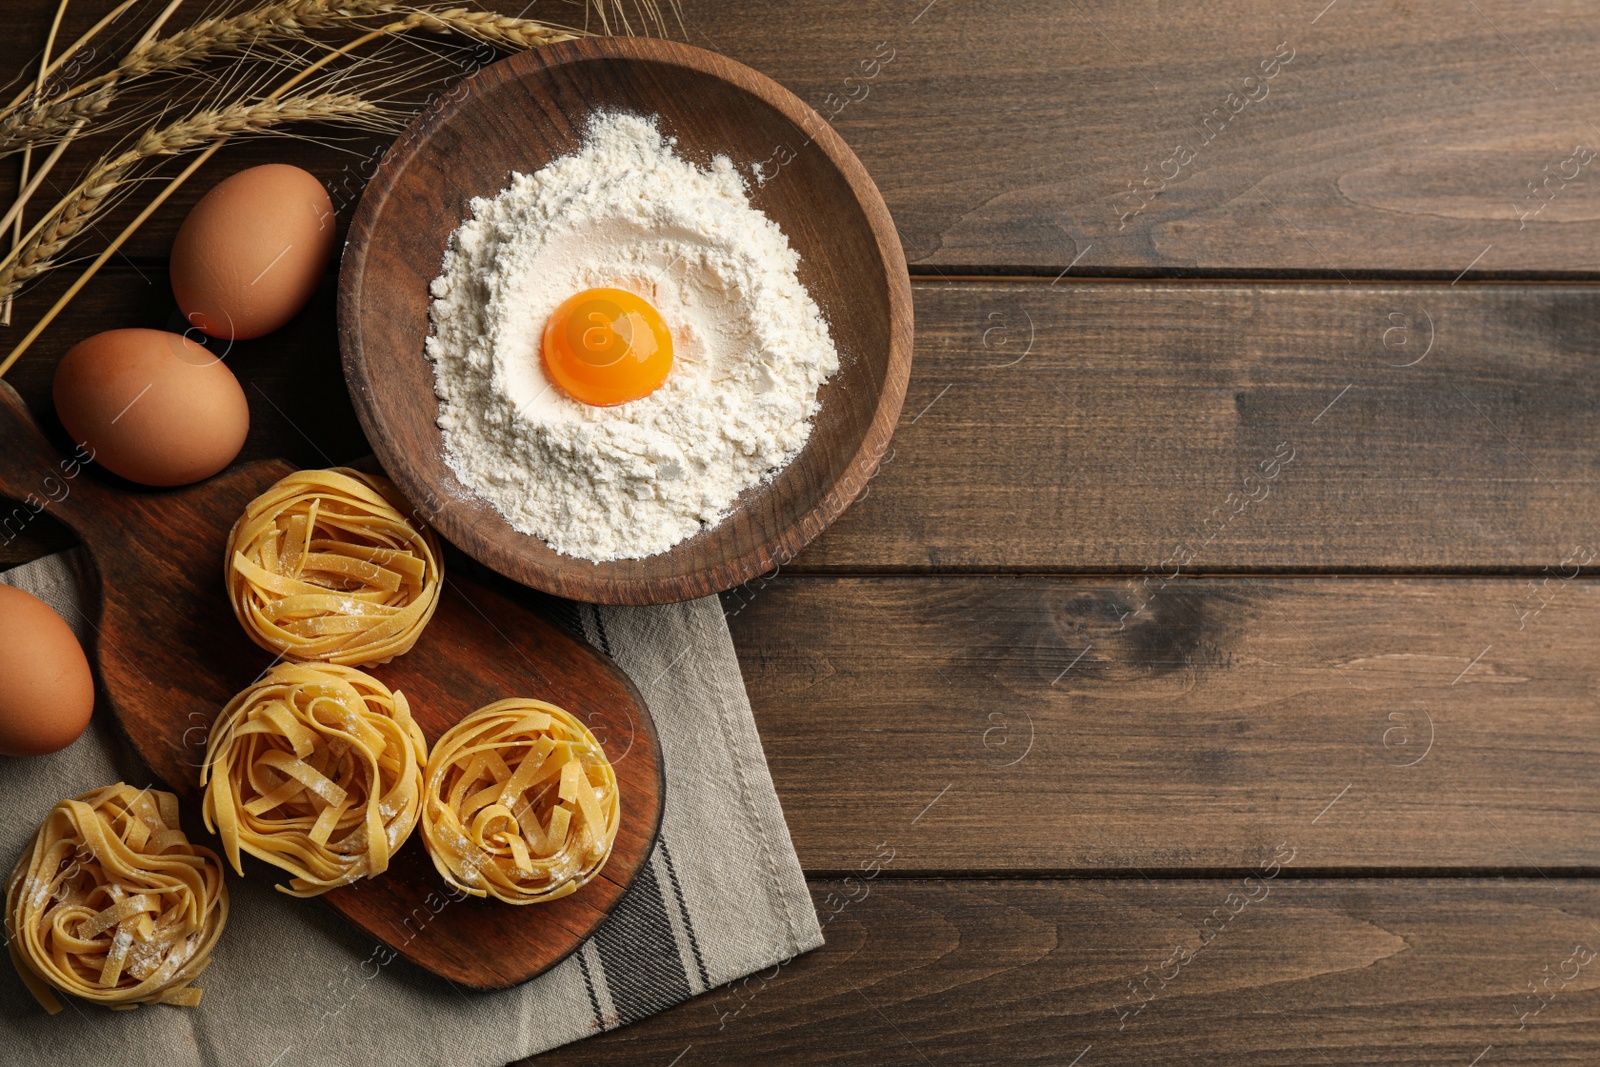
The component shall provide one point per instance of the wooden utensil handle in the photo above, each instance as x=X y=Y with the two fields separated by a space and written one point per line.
x=37 y=477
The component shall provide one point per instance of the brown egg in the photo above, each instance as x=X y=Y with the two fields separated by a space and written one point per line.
x=252 y=250
x=46 y=691
x=156 y=408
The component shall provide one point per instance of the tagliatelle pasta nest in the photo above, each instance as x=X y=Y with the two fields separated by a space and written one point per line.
x=324 y=567
x=521 y=803
x=112 y=903
x=316 y=769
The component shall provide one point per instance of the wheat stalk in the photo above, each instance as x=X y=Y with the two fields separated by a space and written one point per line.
x=149 y=209
x=223 y=34
x=58 y=118
x=47 y=67
x=180 y=51
x=27 y=153
x=50 y=236
x=50 y=68
x=232 y=33
x=502 y=30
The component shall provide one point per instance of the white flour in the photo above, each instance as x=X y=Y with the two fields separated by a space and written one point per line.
x=750 y=347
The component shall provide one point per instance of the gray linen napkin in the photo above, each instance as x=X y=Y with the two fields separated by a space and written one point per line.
x=291 y=984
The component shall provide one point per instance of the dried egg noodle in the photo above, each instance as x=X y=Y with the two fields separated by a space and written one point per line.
x=316 y=769
x=110 y=902
x=521 y=804
x=323 y=566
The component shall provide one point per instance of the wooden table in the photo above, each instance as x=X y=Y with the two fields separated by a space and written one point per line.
x=1214 y=654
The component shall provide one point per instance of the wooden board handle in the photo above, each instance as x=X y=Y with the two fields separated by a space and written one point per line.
x=39 y=477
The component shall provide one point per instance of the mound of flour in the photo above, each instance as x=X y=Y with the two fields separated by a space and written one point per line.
x=750 y=346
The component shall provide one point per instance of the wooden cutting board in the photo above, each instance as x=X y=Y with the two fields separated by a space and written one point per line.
x=170 y=654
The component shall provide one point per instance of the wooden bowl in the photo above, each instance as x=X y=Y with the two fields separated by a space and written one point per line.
x=520 y=114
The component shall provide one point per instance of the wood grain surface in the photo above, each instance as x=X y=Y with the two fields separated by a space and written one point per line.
x=1359 y=971
x=169 y=654
x=1005 y=133
x=1049 y=429
x=1421 y=568
x=1044 y=724
x=529 y=110
x=1116 y=427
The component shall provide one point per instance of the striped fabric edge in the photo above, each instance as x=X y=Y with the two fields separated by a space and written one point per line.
x=646 y=956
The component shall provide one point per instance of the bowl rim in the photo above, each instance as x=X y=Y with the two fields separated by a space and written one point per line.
x=776 y=547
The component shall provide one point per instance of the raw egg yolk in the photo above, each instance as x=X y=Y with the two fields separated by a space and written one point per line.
x=606 y=347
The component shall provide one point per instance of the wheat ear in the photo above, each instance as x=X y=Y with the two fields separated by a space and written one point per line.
x=508 y=32
x=47 y=67
x=50 y=236
x=68 y=53
x=218 y=35
x=172 y=186
x=58 y=118
x=27 y=153
x=501 y=30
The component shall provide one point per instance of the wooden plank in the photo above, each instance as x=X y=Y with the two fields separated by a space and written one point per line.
x=1099 y=427
x=1339 y=972
x=1050 y=724
x=1006 y=133
x=1011 y=132
x=1236 y=428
